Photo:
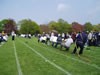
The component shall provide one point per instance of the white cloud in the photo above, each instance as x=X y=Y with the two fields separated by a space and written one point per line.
x=62 y=7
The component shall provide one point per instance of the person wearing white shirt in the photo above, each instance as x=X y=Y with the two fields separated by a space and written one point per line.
x=90 y=38
x=67 y=43
x=13 y=35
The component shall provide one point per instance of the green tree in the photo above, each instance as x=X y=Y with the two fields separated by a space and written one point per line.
x=1 y=27
x=28 y=26
x=53 y=25
x=63 y=26
x=95 y=27
x=88 y=26
x=98 y=26
x=2 y=24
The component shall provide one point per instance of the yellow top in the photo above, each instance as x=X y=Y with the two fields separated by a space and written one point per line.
x=3 y=33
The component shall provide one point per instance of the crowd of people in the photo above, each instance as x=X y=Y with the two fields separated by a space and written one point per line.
x=4 y=37
x=81 y=39
x=93 y=38
x=28 y=36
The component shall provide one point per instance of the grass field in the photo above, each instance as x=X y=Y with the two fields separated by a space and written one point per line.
x=28 y=57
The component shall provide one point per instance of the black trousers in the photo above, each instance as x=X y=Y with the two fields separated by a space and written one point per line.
x=43 y=41
x=0 y=40
x=98 y=40
x=48 y=39
x=13 y=37
x=57 y=43
x=79 y=44
x=89 y=42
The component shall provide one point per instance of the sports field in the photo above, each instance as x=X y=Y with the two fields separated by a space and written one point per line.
x=28 y=57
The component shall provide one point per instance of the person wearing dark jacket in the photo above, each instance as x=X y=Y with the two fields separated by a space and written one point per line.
x=1 y=38
x=80 y=42
x=59 y=40
x=98 y=39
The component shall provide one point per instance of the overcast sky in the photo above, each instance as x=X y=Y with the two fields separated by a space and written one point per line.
x=44 y=11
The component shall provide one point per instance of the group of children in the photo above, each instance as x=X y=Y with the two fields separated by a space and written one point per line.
x=64 y=40
x=81 y=39
x=56 y=39
x=28 y=36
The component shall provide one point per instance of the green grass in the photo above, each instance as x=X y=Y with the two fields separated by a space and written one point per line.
x=31 y=63
x=7 y=59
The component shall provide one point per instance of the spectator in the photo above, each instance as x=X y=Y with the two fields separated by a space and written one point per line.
x=3 y=33
x=90 y=38
x=13 y=35
x=99 y=38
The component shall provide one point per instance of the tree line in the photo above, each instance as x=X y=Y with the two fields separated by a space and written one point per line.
x=27 y=26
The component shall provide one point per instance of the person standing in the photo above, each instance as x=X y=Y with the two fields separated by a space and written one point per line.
x=99 y=38
x=90 y=38
x=80 y=42
x=13 y=35
x=3 y=33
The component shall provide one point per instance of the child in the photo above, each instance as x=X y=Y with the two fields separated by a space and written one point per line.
x=67 y=43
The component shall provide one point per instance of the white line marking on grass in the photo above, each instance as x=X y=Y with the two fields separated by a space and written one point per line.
x=92 y=65
x=17 y=61
x=58 y=67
